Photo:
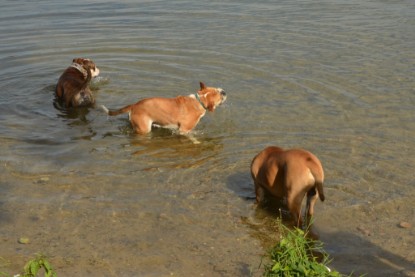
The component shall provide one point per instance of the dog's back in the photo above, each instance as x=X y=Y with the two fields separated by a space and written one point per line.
x=273 y=167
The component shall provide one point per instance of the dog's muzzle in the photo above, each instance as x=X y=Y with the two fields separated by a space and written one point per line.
x=223 y=95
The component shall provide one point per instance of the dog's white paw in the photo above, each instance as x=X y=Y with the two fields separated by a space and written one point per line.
x=193 y=139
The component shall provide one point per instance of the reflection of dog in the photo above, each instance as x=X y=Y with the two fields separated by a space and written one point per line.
x=289 y=173
x=72 y=88
x=181 y=112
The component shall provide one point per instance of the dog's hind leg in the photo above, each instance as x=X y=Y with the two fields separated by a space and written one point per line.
x=259 y=192
x=141 y=125
x=312 y=196
x=294 y=202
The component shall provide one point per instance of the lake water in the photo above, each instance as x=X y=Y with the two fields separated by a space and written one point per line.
x=334 y=77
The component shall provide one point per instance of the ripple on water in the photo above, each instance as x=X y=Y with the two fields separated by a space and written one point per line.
x=333 y=79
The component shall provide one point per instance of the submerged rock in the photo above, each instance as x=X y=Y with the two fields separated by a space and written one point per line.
x=23 y=240
x=405 y=225
x=364 y=230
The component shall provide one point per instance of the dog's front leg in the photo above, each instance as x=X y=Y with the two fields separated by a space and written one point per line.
x=185 y=129
x=191 y=137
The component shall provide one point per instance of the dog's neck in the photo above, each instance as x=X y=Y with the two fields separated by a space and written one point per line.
x=200 y=101
x=80 y=68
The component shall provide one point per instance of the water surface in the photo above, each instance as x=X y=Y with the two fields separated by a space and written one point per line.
x=334 y=77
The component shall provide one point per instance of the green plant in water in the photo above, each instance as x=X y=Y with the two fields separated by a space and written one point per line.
x=3 y=263
x=31 y=269
x=293 y=256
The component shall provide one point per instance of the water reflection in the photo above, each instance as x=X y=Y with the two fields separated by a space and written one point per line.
x=334 y=78
x=172 y=150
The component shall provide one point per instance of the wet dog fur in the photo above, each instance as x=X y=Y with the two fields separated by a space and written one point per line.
x=290 y=174
x=72 y=88
x=181 y=112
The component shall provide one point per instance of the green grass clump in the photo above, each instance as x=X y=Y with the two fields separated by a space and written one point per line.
x=293 y=256
x=33 y=268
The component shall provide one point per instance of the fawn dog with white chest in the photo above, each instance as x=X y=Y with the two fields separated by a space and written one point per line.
x=181 y=112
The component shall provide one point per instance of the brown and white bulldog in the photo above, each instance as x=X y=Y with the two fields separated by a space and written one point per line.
x=182 y=112
x=72 y=88
x=289 y=173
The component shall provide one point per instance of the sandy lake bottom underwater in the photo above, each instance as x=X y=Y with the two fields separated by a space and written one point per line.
x=333 y=77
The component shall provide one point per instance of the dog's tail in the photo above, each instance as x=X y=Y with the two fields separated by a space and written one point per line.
x=318 y=174
x=126 y=109
x=319 y=185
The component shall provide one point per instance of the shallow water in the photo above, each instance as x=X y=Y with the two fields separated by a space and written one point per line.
x=334 y=77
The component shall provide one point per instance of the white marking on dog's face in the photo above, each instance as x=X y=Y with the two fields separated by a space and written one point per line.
x=94 y=72
x=222 y=93
x=219 y=97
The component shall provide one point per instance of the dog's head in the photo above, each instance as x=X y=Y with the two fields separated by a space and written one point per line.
x=214 y=96
x=87 y=64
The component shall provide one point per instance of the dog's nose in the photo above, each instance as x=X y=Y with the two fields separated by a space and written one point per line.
x=223 y=93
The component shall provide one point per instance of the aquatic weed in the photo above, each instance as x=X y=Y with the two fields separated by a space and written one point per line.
x=32 y=268
x=294 y=256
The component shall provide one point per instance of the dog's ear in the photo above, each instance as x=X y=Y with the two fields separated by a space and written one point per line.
x=77 y=60
x=202 y=86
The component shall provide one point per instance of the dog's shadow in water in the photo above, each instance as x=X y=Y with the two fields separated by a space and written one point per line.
x=72 y=114
x=241 y=184
x=263 y=219
x=76 y=118
x=164 y=148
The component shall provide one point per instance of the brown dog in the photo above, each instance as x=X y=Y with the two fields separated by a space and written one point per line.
x=182 y=112
x=289 y=173
x=72 y=88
